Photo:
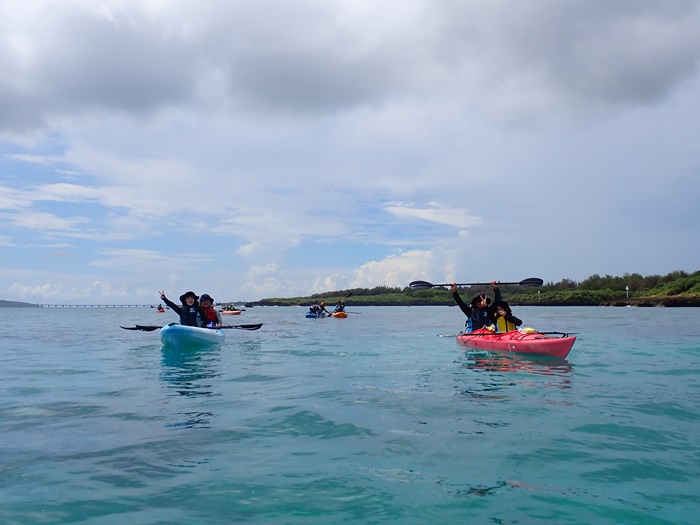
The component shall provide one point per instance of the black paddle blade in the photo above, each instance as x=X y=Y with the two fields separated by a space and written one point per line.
x=244 y=326
x=420 y=285
x=144 y=328
x=532 y=281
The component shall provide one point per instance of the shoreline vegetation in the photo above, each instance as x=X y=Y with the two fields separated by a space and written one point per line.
x=677 y=289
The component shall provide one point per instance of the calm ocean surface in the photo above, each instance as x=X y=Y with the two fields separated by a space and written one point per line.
x=369 y=419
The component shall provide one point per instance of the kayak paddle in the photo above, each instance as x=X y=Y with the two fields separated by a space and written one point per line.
x=151 y=328
x=424 y=285
x=343 y=301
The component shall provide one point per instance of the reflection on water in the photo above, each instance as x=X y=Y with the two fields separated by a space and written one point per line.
x=500 y=371
x=497 y=362
x=189 y=373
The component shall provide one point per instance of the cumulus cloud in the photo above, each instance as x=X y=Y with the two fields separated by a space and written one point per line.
x=395 y=270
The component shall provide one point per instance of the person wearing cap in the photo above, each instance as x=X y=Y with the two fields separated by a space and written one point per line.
x=189 y=311
x=211 y=318
x=479 y=312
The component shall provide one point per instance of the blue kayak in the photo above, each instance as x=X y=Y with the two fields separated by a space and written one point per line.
x=180 y=336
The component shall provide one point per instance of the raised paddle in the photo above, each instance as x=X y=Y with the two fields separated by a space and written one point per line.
x=151 y=328
x=424 y=285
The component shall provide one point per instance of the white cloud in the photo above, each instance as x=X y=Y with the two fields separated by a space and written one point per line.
x=435 y=212
x=398 y=270
x=247 y=249
x=48 y=222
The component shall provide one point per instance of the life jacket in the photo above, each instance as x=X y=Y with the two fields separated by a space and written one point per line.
x=479 y=319
x=210 y=313
x=504 y=326
x=188 y=315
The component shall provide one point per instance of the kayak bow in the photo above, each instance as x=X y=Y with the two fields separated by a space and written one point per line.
x=180 y=336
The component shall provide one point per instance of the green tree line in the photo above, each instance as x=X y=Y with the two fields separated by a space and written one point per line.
x=677 y=288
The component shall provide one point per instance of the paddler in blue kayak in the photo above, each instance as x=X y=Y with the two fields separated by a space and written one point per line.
x=322 y=312
x=211 y=318
x=190 y=312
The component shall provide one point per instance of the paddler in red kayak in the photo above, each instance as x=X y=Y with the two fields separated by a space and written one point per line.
x=503 y=317
x=479 y=313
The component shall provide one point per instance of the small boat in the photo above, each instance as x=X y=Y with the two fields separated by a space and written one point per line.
x=181 y=336
x=230 y=312
x=521 y=342
x=311 y=315
x=340 y=315
x=160 y=311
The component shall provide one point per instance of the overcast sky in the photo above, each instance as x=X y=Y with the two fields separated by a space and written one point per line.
x=253 y=149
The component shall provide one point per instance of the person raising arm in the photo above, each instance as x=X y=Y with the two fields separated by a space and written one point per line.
x=189 y=311
x=478 y=311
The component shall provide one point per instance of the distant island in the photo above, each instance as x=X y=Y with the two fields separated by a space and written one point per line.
x=676 y=289
x=16 y=304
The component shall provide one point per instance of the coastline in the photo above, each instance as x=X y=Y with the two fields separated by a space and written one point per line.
x=668 y=301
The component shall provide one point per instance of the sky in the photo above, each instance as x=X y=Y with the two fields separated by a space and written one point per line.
x=253 y=149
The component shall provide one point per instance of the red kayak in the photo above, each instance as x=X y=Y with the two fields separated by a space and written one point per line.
x=524 y=342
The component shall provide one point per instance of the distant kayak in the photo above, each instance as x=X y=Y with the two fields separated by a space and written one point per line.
x=180 y=336
x=231 y=312
x=311 y=315
x=160 y=311
x=534 y=343
x=340 y=315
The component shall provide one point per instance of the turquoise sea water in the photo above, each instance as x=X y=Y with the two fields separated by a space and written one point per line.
x=369 y=419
